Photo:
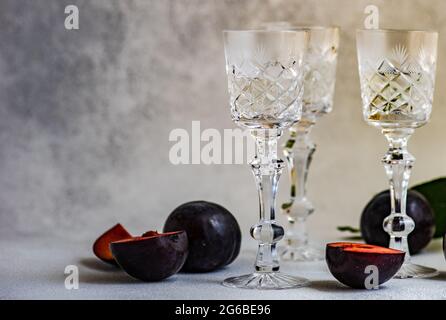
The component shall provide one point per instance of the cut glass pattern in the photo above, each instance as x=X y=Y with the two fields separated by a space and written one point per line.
x=398 y=89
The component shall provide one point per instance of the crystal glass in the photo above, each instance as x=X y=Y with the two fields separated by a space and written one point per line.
x=319 y=84
x=397 y=73
x=265 y=80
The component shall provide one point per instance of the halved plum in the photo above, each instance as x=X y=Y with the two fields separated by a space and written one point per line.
x=101 y=247
x=153 y=257
x=348 y=262
x=150 y=233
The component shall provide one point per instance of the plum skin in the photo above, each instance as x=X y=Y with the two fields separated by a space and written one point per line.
x=444 y=245
x=349 y=267
x=417 y=207
x=152 y=258
x=213 y=233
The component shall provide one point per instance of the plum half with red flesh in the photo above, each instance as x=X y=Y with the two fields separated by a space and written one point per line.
x=153 y=257
x=348 y=262
x=101 y=247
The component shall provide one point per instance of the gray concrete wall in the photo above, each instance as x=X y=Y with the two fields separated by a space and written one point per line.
x=85 y=115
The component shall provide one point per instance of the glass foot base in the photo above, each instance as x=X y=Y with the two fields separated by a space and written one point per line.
x=266 y=281
x=410 y=270
x=302 y=253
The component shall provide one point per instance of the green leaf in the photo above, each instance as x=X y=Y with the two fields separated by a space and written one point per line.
x=287 y=205
x=435 y=192
x=290 y=143
x=348 y=229
x=353 y=238
x=293 y=190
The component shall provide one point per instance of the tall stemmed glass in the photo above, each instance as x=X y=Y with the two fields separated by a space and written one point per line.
x=265 y=79
x=397 y=73
x=320 y=67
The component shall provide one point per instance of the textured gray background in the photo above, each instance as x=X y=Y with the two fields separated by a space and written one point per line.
x=85 y=115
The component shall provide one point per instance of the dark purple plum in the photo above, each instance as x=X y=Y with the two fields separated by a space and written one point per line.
x=444 y=245
x=348 y=262
x=417 y=207
x=213 y=232
x=152 y=258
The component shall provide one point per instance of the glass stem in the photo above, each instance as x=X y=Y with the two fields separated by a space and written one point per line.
x=267 y=169
x=398 y=164
x=299 y=151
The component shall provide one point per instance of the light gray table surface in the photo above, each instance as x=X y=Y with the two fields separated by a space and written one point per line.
x=33 y=268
